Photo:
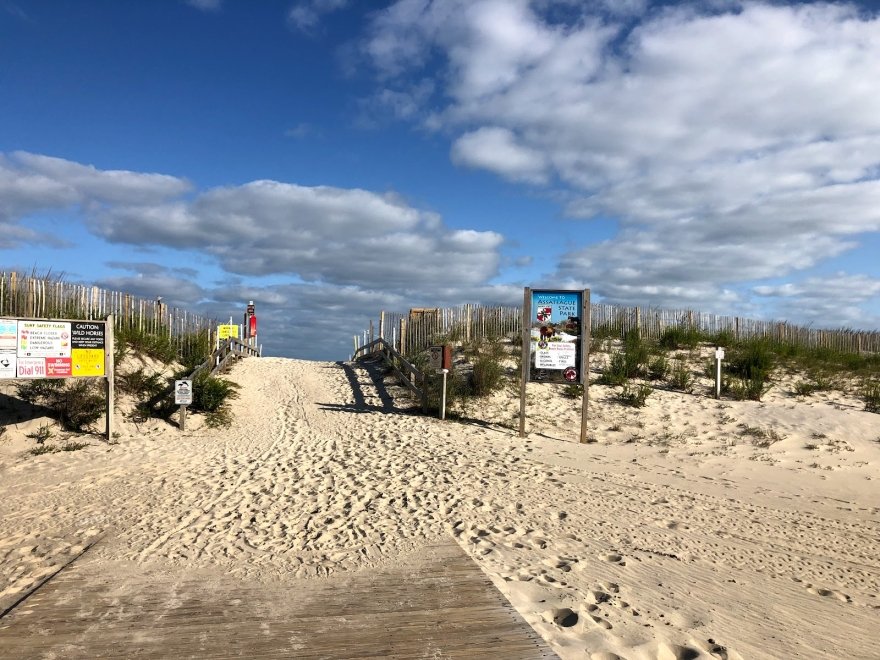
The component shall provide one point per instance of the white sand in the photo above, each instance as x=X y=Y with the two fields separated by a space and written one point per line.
x=674 y=535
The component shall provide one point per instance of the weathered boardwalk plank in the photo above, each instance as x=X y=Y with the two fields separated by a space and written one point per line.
x=439 y=605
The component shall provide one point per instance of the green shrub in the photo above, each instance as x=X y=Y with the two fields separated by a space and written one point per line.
x=636 y=397
x=210 y=392
x=680 y=337
x=79 y=405
x=157 y=346
x=871 y=396
x=615 y=373
x=140 y=384
x=681 y=377
x=573 y=391
x=487 y=376
x=658 y=367
x=75 y=403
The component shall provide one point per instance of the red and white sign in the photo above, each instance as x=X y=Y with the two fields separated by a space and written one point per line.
x=57 y=367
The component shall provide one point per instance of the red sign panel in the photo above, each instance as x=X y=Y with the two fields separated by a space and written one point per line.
x=57 y=367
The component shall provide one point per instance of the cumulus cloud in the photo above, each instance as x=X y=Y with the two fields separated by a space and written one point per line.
x=349 y=241
x=836 y=299
x=731 y=141
x=332 y=235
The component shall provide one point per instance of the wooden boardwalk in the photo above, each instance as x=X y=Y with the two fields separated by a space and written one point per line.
x=436 y=605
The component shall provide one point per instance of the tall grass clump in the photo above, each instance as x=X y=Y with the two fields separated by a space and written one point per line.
x=680 y=337
x=871 y=396
x=750 y=364
x=157 y=346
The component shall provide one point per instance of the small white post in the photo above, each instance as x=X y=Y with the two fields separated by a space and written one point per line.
x=443 y=396
x=719 y=355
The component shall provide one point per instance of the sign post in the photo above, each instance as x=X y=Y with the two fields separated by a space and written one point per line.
x=719 y=355
x=555 y=344
x=183 y=398
x=440 y=360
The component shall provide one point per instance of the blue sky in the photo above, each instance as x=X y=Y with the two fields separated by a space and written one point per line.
x=331 y=158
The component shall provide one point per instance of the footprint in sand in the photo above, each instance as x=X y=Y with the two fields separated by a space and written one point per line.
x=613 y=558
x=828 y=593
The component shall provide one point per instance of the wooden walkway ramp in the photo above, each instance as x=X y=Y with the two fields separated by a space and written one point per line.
x=436 y=605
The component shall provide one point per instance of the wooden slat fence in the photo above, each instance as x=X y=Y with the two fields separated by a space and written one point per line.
x=31 y=296
x=419 y=328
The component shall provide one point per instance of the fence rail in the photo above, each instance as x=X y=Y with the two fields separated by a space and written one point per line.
x=223 y=354
x=414 y=331
x=31 y=296
x=405 y=371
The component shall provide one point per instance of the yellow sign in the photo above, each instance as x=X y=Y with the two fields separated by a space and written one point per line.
x=227 y=331
x=87 y=362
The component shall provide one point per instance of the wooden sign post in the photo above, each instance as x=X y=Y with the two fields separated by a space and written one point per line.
x=560 y=323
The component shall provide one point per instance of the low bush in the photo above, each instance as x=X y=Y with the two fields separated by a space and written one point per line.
x=75 y=404
x=871 y=396
x=573 y=391
x=635 y=397
x=487 y=376
x=211 y=393
x=658 y=367
x=680 y=337
x=680 y=377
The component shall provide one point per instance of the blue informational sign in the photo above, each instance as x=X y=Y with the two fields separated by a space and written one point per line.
x=555 y=328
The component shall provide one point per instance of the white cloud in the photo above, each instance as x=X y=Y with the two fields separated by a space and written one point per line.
x=732 y=141
x=334 y=236
x=836 y=299
x=498 y=149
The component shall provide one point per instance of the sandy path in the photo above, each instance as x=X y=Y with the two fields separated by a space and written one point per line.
x=319 y=473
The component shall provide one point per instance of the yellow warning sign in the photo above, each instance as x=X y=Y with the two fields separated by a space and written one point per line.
x=227 y=331
x=87 y=362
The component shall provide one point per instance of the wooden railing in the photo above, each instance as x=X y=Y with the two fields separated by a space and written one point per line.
x=221 y=357
x=407 y=373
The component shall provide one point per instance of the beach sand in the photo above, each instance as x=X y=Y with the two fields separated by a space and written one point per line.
x=691 y=528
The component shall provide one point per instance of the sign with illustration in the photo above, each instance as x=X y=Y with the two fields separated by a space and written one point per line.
x=183 y=392
x=555 y=330
x=43 y=339
x=8 y=344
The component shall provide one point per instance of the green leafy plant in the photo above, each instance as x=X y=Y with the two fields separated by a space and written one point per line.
x=680 y=337
x=43 y=433
x=658 y=367
x=871 y=396
x=680 y=377
x=210 y=392
x=487 y=375
x=636 y=396
x=573 y=391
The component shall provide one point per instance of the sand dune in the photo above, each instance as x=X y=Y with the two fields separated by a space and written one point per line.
x=679 y=533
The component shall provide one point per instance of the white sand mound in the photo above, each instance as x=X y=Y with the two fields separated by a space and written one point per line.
x=690 y=529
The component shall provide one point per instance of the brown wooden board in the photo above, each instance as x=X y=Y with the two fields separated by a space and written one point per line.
x=436 y=604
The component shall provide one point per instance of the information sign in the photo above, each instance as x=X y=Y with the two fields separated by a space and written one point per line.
x=183 y=392
x=43 y=339
x=7 y=365
x=227 y=330
x=30 y=367
x=555 y=332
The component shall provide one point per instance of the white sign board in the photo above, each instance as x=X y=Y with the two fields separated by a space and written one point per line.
x=555 y=355
x=183 y=392
x=43 y=339
x=8 y=339
x=30 y=367
x=7 y=365
x=719 y=353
